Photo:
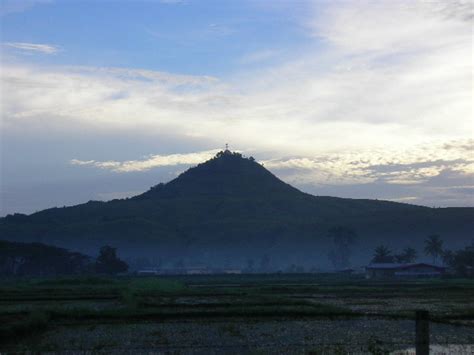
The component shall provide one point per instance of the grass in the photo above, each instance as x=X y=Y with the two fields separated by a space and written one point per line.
x=32 y=323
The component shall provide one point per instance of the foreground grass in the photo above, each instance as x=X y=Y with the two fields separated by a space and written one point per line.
x=30 y=306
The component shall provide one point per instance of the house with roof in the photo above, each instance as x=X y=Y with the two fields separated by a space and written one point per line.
x=395 y=271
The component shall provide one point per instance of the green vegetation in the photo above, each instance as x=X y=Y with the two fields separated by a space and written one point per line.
x=434 y=246
x=227 y=204
x=36 y=259
x=207 y=295
x=382 y=255
x=29 y=307
x=108 y=262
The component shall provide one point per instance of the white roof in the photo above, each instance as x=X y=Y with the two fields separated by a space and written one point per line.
x=395 y=266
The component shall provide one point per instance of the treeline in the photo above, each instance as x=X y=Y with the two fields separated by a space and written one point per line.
x=38 y=260
x=461 y=262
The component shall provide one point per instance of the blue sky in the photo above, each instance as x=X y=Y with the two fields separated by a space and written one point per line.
x=363 y=99
x=189 y=37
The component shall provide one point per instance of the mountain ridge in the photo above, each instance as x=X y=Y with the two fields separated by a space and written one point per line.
x=231 y=207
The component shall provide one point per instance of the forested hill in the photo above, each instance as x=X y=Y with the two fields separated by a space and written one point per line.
x=232 y=208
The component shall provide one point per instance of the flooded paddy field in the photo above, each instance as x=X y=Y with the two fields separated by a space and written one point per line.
x=253 y=314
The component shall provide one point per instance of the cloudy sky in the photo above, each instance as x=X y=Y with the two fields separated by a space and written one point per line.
x=363 y=99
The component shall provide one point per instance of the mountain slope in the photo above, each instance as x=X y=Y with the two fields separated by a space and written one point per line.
x=230 y=208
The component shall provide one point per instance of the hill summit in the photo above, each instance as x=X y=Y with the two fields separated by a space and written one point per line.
x=226 y=174
x=230 y=209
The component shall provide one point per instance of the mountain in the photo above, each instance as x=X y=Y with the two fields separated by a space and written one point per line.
x=230 y=209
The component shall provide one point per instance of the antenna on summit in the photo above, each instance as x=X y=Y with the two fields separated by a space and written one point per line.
x=227 y=151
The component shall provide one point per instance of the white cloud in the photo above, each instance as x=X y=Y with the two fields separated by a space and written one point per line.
x=152 y=161
x=392 y=84
x=391 y=166
x=82 y=162
x=33 y=47
x=391 y=27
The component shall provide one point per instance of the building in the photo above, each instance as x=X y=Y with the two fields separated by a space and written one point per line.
x=395 y=271
x=197 y=271
x=147 y=272
x=232 y=271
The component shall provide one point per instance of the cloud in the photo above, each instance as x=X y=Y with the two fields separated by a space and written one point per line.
x=390 y=27
x=389 y=166
x=399 y=167
x=150 y=162
x=343 y=100
x=141 y=75
x=383 y=96
x=33 y=47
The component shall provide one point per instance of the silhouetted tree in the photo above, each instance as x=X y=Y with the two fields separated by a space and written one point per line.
x=463 y=262
x=36 y=259
x=408 y=255
x=343 y=239
x=448 y=257
x=382 y=255
x=434 y=246
x=108 y=262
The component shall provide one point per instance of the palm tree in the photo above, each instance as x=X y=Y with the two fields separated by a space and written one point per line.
x=434 y=246
x=448 y=257
x=343 y=238
x=409 y=255
x=382 y=255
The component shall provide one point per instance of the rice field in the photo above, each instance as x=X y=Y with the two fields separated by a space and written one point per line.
x=274 y=313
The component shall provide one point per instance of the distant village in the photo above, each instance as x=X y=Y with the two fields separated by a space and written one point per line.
x=372 y=271
x=384 y=264
x=36 y=259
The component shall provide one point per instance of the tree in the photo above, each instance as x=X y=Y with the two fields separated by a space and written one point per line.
x=463 y=262
x=448 y=257
x=382 y=255
x=108 y=262
x=408 y=255
x=434 y=246
x=343 y=239
x=36 y=259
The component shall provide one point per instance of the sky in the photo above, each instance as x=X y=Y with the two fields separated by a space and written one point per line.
x=361 y=99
